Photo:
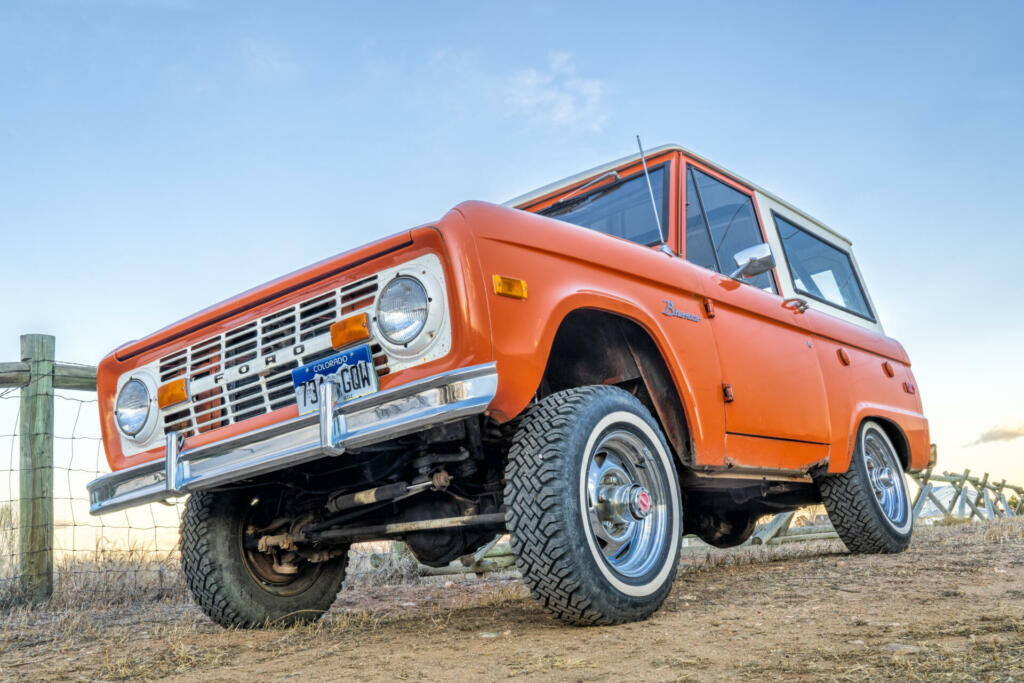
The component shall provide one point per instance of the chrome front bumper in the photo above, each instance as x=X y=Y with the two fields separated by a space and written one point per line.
x=334 y=429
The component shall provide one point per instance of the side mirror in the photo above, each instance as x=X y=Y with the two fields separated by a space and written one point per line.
x=753 y=261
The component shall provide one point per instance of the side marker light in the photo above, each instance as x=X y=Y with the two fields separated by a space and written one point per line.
x=510 y=287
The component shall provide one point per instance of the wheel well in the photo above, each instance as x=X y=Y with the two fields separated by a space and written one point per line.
x=896 y=435
x=597 y=347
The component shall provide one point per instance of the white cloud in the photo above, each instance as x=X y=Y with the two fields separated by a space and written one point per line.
x=999 y=434
x=557 y=96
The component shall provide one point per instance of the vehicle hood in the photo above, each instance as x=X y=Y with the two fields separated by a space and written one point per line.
x=266 y=292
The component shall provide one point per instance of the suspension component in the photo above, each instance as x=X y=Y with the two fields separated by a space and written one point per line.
x=374 y=495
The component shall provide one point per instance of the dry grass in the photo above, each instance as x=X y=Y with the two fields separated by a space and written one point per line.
x=708 y=559
x=108 y=574
x=106 y=577
x=160 y=639
x=951 y=521
x=953 y=611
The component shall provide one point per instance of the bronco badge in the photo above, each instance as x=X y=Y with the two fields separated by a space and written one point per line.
x=670 y=309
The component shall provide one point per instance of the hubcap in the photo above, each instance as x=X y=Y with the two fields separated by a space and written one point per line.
x=886 y=477
x=622 y=504
x=627 y=503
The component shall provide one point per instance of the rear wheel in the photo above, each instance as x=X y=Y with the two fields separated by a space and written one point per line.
x=594 y=509
x=869 y=504
x=237 y=585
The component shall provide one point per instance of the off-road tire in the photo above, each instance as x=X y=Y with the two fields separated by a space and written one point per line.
x=224 y=587
x=853 y=507
x=544 y=514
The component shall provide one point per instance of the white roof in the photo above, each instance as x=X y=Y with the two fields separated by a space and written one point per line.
x=597 y=170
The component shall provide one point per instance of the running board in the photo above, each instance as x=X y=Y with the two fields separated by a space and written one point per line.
x=754 y=474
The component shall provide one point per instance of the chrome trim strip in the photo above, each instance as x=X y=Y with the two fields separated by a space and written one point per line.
x=403 y=410
x=753 y=473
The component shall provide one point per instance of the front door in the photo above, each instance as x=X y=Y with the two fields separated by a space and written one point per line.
x=776 y=410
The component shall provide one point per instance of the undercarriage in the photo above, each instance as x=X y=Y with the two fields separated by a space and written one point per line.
x=440 y=491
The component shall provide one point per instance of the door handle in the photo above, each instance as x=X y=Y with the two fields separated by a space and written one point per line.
x=795 y=304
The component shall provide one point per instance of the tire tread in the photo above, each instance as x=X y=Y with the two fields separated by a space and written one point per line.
x=202 y=574
x=852 y=510
x=535 y=487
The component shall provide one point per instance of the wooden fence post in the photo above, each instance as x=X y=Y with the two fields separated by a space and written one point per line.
x=35 y=529
x=982 y=497
x=924 y=488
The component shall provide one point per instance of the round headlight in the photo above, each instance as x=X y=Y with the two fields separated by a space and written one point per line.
x=402 y=309
x=132 y=407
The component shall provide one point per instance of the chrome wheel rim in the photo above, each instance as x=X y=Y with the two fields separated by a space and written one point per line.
x=627 y=503
x=885 y=474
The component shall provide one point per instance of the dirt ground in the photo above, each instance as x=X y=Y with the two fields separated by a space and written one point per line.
x=951 y=608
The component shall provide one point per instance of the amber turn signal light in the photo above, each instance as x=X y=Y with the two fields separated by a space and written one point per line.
x=172 y=393
x=510 y=286
x=349 y=330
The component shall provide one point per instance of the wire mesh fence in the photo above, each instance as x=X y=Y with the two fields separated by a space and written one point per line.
x=115 y=558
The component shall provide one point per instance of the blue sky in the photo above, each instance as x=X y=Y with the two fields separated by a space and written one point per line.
x=156 y=157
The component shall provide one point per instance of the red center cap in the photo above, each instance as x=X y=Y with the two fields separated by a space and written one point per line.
x=643 y=502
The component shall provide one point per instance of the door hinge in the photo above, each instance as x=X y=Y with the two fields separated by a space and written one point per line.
x=709 y=308
x=727 y=393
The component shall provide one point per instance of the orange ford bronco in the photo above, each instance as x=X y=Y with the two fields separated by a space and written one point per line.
x=650 y=348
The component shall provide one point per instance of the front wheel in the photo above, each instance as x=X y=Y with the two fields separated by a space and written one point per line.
x=869 y=504
x=234 y=583
x=594 y=510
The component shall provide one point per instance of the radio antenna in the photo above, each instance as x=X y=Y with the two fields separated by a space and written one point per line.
x=664 y=248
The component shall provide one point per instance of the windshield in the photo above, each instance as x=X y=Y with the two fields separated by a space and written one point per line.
x=621 y=209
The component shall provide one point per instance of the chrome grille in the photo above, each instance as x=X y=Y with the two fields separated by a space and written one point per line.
x=307 y=323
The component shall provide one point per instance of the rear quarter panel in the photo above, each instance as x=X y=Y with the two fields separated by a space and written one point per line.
x=864 y=390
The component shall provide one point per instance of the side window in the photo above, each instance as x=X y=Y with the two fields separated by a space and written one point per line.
x=720 y=222
x=698 y=239
x=820 y=270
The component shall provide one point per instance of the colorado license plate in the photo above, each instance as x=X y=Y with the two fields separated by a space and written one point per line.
x=352 y=370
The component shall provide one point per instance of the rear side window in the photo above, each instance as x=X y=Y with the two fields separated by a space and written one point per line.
x=720 y=223
x=820 y=270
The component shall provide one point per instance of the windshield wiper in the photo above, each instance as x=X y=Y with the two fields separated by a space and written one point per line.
x=595 y=181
